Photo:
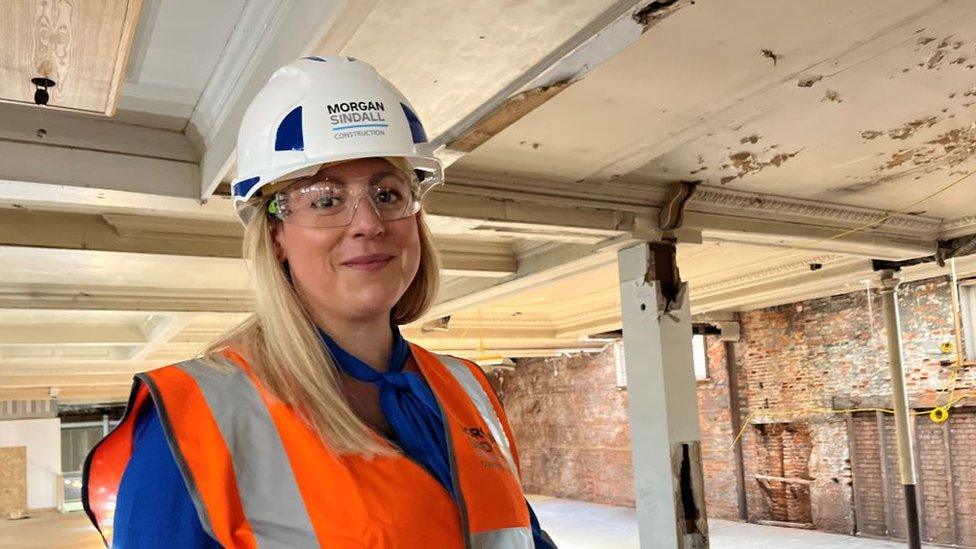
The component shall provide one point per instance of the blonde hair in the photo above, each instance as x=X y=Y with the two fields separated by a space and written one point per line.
x=283 y=348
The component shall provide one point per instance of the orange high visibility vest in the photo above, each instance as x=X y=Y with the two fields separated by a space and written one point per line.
x=260 y=477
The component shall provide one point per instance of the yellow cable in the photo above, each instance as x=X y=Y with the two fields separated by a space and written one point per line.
x=805 y=411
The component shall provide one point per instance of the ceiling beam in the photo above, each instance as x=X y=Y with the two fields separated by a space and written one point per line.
x=720 y=214
x=274 y=33
x=22 y=297
x=558 y=262
x=616 y=28
x=29 y=195
x=83 y=166
x=204 y=238
x=47 y=128
x=113 y=233
x=113 y=392
x=71 y=334
x=798 y=283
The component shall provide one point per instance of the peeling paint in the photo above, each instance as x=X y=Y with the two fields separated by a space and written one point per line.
x=655 y=12
x=745 y=163
x=770 y=54
x=832 y=96
x=907 y=130
x=809 y=81
x=505 y=115
x=749 y=139
x=940 y=56
x=947 y=150
x=871 y=134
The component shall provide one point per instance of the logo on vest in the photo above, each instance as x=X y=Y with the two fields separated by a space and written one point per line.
x=485 y=447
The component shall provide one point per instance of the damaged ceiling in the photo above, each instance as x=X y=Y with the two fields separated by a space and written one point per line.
x=820 y=136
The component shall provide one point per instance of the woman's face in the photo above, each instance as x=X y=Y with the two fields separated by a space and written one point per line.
x=358 y=271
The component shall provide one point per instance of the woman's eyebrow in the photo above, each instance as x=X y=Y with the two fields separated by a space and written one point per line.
x=378 y=176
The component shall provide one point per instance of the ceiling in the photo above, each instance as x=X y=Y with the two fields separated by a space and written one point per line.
x=825 y=134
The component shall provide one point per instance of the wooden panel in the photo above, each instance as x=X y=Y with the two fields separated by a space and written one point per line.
x=82 y=45
x=946 y=485
x=962 y=434
x=870 y=490
x=13 y=480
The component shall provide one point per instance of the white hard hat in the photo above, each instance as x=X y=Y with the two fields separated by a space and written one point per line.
x=318 y=110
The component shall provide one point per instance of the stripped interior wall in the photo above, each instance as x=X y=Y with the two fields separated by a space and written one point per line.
x=801 y=466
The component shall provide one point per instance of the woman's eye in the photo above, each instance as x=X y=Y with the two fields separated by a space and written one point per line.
x=322 y=202
x=388 y=196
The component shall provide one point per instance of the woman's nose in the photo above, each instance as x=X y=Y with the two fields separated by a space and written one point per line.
x=365 y=219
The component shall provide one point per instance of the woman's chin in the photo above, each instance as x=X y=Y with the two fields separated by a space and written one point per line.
x=371 y=306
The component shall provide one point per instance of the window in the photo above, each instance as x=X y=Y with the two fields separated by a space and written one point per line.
x=967 y=299
x=621 y=365
x=700 y=356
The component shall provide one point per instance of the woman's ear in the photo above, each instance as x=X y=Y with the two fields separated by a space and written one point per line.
x=277 y=230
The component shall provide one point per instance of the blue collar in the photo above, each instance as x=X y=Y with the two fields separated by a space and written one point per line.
x=362 y=371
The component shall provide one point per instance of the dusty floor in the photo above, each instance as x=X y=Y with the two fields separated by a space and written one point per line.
x=572 y=524
x=46 y=529
x=579 y=525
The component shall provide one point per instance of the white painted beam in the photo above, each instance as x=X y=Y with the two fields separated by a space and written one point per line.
x=96 y=233
x=20 y=297
x=24 y=377
x=840 y=276
x=71 y=334
x=96 y=199
x=801 y=237
x=204 y=238
x=65 y=165
x=272 y=34
x=561 y=262
x=602 y=38
x=47 y=128
x=113 y=392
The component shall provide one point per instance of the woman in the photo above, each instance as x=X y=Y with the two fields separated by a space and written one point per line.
x=314 y=423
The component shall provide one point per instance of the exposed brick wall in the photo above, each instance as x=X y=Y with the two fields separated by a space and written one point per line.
x=570 y=419
x=570 y=424
x=796 y=358
x=962 y=435
x=715 y=420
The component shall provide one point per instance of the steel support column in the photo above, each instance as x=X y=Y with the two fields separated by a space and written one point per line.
x=906 y=458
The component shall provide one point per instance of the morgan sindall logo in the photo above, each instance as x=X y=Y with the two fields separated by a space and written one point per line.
x=357 y=119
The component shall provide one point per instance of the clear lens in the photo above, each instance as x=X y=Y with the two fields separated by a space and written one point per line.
x=322 y=202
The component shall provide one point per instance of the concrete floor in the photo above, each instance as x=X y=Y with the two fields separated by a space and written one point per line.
x=579 y=525
x=46 y=529
x=572 y=524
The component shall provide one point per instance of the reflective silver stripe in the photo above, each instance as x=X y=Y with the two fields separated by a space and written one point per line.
x=508 y=538
x=477 y=394
x=266 y=483
x=505 y=538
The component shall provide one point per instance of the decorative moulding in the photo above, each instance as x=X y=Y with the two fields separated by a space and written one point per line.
x=764 y=205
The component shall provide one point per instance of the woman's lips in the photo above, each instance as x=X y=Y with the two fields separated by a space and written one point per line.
x=369 y=263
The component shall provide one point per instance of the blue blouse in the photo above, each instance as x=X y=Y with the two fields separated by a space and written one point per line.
x=154 y=508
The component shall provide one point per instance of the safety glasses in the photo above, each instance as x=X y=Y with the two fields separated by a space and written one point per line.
x=318 y=201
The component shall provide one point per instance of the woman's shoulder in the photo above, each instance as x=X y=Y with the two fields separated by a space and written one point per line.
x=220 y=379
